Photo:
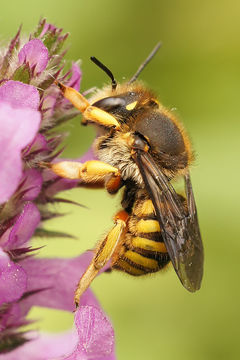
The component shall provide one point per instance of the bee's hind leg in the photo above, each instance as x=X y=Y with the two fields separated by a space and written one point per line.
x=104 y=252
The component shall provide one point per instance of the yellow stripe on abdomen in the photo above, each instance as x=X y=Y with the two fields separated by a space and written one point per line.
x=144 y=208
x=147 y=226
x=125 y=266
x=140 y=260
x=149 y=245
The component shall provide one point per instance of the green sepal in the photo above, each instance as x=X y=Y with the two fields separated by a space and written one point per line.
x=60 y=43
x=49 y=41
x=11 y=341
x=68 y=115
x=52 y=234
x=22 y=73
x=46 y=83
x=39 y=28
x=14 y=45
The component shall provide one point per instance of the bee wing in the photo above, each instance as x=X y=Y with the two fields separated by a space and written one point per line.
x=179 y=228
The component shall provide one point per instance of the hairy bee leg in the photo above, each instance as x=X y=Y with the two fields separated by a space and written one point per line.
x=91 y=171
x=103 y=253
x=90 y=113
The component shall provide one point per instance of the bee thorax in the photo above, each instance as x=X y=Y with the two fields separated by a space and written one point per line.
x=116 y=152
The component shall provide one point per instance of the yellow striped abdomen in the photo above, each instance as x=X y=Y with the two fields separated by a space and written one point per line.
x=142 y=250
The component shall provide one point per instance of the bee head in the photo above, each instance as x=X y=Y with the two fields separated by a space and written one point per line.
x=121 y=105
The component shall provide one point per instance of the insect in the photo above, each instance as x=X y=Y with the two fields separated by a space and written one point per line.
x=141 y=147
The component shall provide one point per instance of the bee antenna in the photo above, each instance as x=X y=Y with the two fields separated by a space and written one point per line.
x=142 y=66
x=106 y=70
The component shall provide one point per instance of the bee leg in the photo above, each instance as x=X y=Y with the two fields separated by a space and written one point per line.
x=90 y=172
x=103 y=254
x=90 y=113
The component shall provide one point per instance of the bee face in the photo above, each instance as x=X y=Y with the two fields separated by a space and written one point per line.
x=120 y=105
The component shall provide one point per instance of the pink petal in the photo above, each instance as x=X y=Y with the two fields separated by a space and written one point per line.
x=11 y=316
x=17 y=129
x=23 y=229
x=44 y=347
x=76 y=77
x=35 y=54
x=60 y=184
x=93 y=340
x=32 y=183
x=48 y=105
x=48 y=175
x=89 y=155
x=13 y=279
x=38 y=144
x=59 y=277
x=19 y=95
x=47 y=27
x=96 y=335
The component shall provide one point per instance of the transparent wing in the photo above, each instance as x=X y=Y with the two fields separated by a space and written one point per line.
x=179 y=226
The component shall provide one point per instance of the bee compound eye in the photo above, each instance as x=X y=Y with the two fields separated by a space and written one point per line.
x=110 y=103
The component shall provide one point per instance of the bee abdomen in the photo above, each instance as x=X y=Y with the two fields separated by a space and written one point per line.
x=144 y=226
x=143 y=250
x=138 y=261
x=147 y=246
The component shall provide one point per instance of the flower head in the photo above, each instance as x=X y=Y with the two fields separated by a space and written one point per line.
x=31 y=106
x=34 y=56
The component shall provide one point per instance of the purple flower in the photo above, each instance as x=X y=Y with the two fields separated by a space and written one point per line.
x=75 y=79
x=34 y=54
x=30 y=106
x=15 y=135
x=92 y=339
x=20 y=95
x=13 y=279
x=49 y=286
x=46 y=28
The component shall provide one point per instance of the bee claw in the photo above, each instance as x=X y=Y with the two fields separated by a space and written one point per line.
x=60 y=85
x=76 y=307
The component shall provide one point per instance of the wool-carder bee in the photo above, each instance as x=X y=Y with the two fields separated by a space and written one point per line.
x=142 y=147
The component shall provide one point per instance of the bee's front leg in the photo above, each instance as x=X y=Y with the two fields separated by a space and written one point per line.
x=90 y=172
x=104 y=252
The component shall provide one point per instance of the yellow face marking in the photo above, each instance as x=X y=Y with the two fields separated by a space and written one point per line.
x=131 y=106
x=141 y=260
x=150 y=245
x=148 y=226
x=124 y=265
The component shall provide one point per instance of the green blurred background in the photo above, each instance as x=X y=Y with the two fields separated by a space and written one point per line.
x=197 y=71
